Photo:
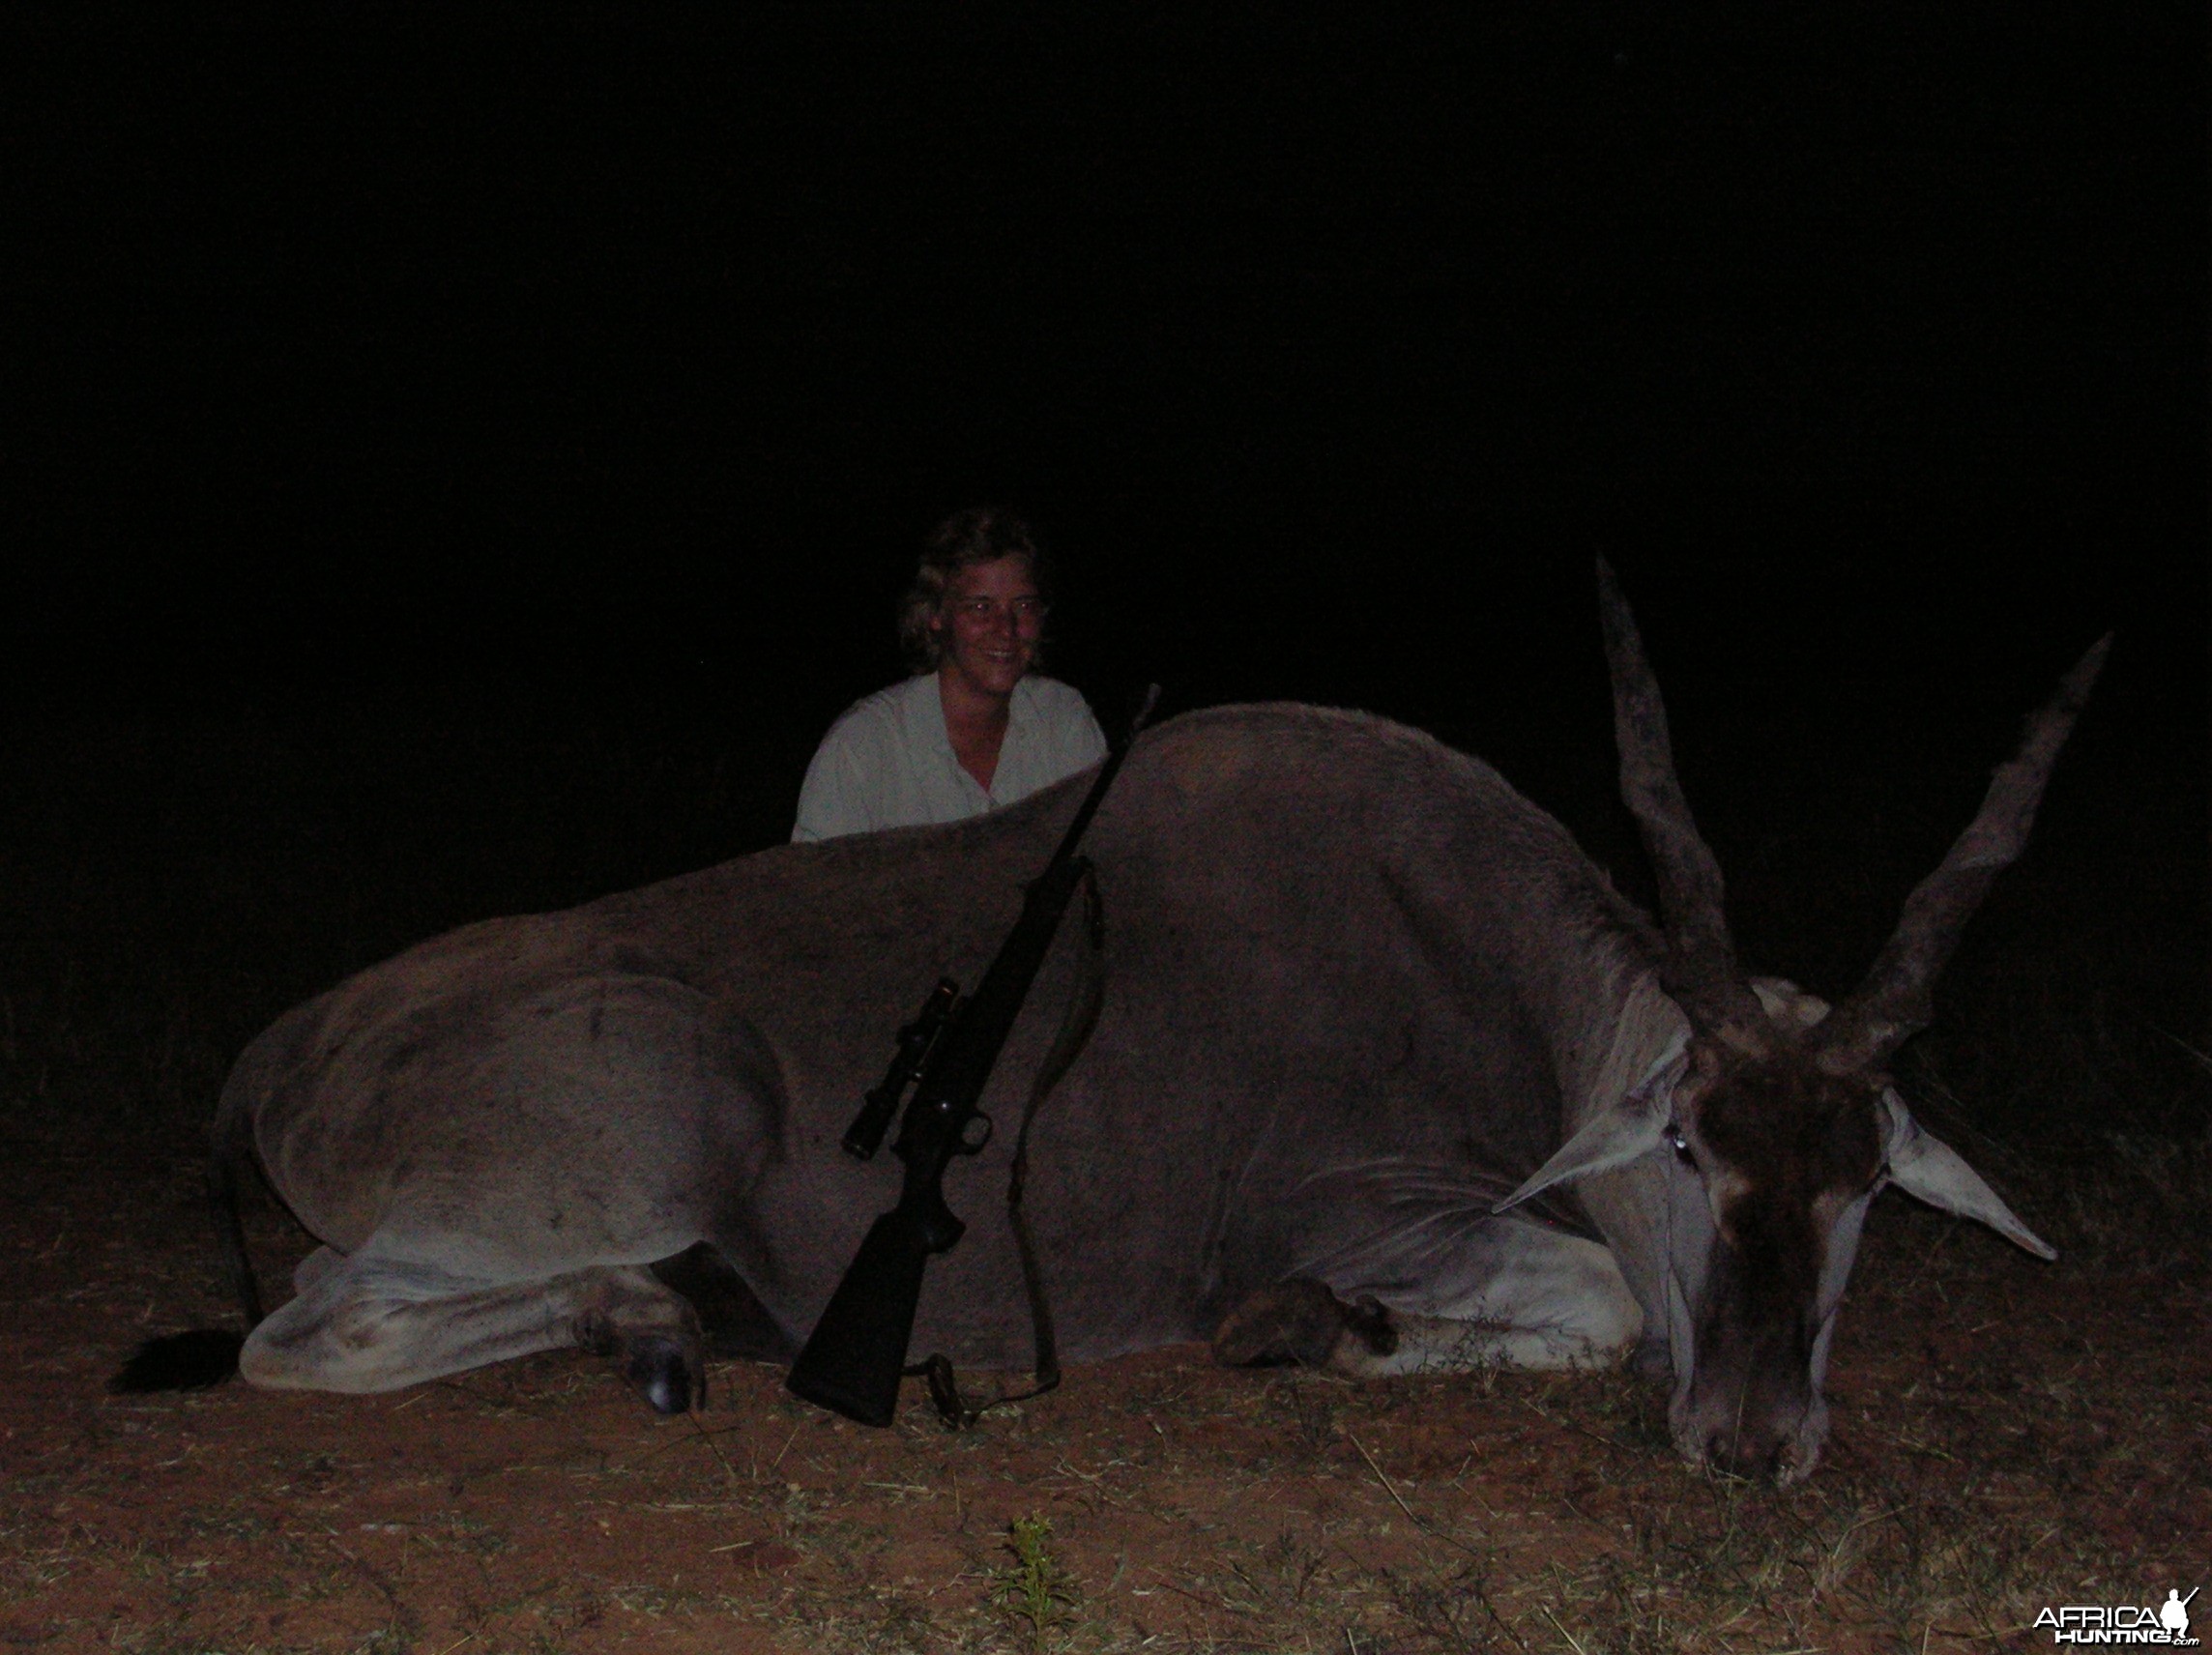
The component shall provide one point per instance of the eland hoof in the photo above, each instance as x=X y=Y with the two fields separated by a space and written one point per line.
x=1299 y=1320
x=657 y=1368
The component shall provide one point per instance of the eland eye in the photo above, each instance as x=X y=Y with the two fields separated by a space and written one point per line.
x=1680 y=1145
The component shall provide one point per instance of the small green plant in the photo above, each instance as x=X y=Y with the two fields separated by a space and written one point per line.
x=1034 y=1591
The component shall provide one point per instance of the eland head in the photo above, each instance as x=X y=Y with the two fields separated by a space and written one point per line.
x=1767 y=1134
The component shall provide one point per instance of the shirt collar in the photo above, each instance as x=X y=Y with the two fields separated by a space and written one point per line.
x=925 y=715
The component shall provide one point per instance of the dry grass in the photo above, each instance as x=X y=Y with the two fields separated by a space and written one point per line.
x=2007 y=1435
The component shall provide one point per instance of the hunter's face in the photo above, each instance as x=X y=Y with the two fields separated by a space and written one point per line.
x=988 y=624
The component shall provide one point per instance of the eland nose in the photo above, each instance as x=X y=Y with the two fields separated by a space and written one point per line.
x=1749 y=1451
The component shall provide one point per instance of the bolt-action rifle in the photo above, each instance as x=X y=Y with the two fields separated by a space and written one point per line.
x=853 y=1363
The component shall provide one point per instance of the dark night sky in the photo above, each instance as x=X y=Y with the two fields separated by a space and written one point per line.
x=489 y=356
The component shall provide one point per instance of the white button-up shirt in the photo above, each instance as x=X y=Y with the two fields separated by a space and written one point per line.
x=888 y=763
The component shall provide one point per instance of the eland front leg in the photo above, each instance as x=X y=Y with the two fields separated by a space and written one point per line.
x=1522 y=1297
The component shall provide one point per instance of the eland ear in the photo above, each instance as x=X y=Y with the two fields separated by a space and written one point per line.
x=1928 y=1169
x=1621 y=1133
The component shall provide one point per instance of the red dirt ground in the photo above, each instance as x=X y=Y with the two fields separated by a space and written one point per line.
x=2007 y=1435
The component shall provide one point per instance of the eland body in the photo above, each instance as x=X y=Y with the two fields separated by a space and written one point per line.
x=1385 y=1076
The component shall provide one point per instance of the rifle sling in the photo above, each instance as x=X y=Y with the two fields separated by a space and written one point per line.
x=1075 y=1027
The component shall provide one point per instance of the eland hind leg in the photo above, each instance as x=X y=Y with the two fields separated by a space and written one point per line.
x=375 y=1324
